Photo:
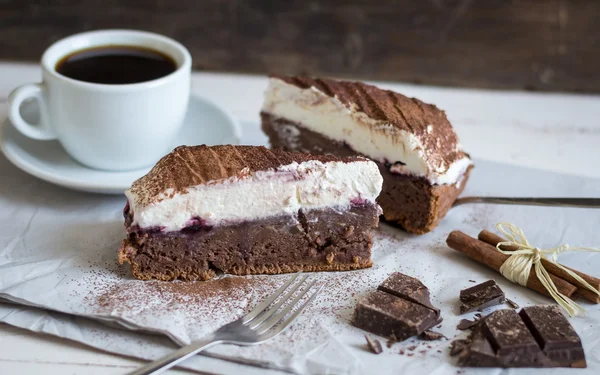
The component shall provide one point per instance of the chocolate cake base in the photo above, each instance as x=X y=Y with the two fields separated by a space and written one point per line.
x=410 y=201
x=316 y=240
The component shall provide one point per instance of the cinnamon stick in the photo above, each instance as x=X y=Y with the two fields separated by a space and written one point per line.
x=487 y=254
x=493 y=239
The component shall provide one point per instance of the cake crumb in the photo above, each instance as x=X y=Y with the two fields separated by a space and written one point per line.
x=430 y=335
x=391 y=341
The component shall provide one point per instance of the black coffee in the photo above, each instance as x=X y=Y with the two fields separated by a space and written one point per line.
x=116 y=65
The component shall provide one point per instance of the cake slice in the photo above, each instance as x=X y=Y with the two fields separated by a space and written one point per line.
x=418 y=153
x=249 y=210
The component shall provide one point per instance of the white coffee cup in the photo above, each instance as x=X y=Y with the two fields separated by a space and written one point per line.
x=108 y=126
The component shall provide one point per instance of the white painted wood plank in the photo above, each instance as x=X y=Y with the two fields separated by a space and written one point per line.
x=24 y=352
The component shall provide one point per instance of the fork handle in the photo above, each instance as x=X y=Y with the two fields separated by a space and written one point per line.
x=177 y=356
x=564 y=202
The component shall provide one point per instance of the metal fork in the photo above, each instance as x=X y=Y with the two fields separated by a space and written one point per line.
x=266 y=321
x=563 y=202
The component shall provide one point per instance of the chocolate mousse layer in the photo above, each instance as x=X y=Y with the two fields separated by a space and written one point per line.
x=316 y=240
x=412 y=202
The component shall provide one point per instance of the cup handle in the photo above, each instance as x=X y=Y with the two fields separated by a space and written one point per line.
x=16 y=98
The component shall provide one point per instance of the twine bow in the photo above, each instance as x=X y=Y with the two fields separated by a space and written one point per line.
x=518 y=266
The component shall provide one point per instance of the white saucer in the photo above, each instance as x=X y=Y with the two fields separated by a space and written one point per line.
x=205 y=123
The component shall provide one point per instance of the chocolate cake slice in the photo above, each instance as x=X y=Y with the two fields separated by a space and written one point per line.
x=249 y=210
x=417 y=151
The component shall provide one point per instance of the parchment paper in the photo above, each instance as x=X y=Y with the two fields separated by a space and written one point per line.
x=58 y=252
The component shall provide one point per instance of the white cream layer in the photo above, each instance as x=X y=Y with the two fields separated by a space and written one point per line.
x=308 y=185
x=379 y=141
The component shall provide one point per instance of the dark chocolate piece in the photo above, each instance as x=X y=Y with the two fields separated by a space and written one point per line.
x=481 y=296
x=512 y=303
x=513 y=343
x=457 y=346
x=502 y=339
x=384 y=314
x=374 y=345
x=408 y=288
x=399 y=309
x=479 y=352
x=465 y=324
x=430 y=335
x=555 y=335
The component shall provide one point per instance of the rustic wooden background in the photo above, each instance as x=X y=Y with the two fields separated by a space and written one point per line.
x=522 y=44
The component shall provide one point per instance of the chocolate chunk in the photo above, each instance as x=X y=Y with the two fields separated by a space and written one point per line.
x=465 y=324
x=385 y=315
x=512 y=303
x=457 y=346
x=511 y=340
x=374 y=345
x=555 y=335
x=481 y=296
x=479 y=352
x=408 y=288
x=431 y=335
x=539 y=336
x=503 y=340
x=399 y=309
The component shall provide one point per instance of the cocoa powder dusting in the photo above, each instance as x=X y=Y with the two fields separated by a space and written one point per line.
x=188 y=166
x=190 y=310
x=192 y=293
x=425 y=121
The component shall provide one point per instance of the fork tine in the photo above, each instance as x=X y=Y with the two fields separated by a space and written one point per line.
x=289 y=320
x=262 y=306
x=266 y=325
x=272 y=310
